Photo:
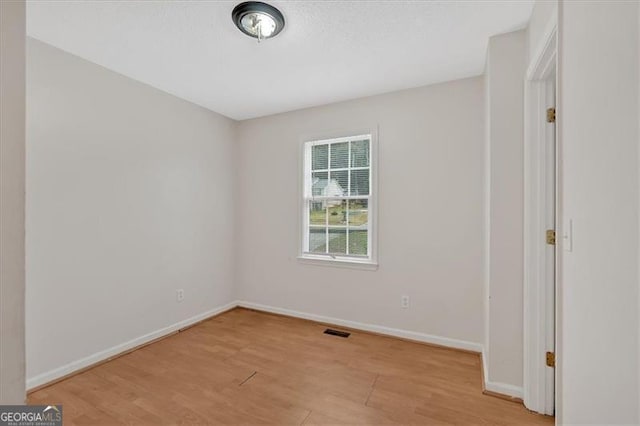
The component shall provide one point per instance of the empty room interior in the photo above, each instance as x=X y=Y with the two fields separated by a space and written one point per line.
x=319 y=212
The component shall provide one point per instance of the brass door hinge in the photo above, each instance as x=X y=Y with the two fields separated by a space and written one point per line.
x=551 y=237
x=551 y=359
x=551 y=115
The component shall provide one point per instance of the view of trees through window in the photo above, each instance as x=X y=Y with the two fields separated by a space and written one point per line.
x=338 y=206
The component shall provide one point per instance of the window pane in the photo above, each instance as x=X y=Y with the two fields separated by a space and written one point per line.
x=338 y=184
x=319 y=182
x=337 y=171
x=317 y=213
x=360 y=182
x=358 y=242
x=338 y=241
x=319 y=157
x=358 y=212
x=360 y=153
x=340 y=155
x=337 y=212
x=317 y=240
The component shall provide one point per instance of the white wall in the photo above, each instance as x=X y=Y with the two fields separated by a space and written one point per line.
x=129 y=197
x=504 y=228
x=598 y=131
x=12 y=183
x=430 y=213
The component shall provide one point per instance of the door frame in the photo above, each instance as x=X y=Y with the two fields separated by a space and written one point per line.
x=539 y=294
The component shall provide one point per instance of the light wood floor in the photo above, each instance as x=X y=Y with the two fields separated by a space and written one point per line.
x=249 y=367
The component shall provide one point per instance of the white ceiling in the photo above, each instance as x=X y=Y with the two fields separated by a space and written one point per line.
x=329 y=50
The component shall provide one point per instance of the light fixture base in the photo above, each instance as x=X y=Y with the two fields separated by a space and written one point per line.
x=258 y=20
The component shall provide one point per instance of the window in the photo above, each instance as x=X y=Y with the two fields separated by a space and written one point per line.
x=337 y=201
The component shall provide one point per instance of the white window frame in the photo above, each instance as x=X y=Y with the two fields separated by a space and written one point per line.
x=369 y=262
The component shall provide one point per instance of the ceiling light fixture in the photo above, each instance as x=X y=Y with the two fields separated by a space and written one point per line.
x=258 y=20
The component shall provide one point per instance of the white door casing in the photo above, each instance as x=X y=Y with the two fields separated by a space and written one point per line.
x=540 y=215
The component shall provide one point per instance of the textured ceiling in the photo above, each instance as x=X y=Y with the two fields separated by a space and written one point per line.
x=329 y=50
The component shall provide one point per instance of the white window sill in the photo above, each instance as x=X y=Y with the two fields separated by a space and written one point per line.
x=366 y=265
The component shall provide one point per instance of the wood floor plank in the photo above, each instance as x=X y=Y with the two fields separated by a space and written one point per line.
x=248 y=367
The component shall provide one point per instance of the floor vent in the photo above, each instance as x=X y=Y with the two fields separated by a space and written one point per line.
x=337 y=333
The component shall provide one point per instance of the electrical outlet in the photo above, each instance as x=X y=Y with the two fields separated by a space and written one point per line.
x=180 y=295
x=404 y=302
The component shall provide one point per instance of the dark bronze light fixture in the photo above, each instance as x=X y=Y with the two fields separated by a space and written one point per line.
x=258 y=20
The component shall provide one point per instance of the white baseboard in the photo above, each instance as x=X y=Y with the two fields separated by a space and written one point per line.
x=496 y=387
x=74 y=366
x=395 y=332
